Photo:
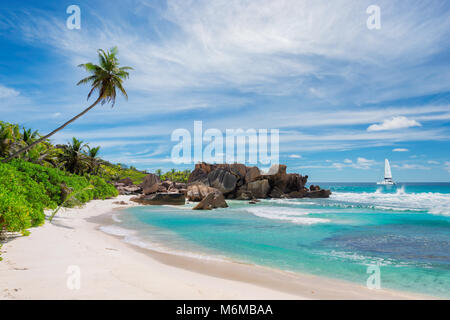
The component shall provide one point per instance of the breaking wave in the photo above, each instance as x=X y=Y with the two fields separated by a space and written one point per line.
x=434 y=203
x=287 y=214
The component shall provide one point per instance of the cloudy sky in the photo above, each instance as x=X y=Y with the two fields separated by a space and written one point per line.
x=343 y=97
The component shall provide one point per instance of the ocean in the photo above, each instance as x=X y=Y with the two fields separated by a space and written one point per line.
x=402 y=230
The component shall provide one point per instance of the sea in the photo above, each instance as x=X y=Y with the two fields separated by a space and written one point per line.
x=399 y=233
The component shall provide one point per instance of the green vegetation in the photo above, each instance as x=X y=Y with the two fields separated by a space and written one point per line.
x=26 y=189
x=115 y=172
x=36 y=175
x=173 y=175
x=48 y=176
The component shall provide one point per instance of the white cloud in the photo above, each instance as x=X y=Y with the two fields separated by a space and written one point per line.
x=408 y=166
x=7 y=92
x=432 y=162
x=295 y=156
x=299 y=47
x=400 y=150
x=394 y=123
x=363 y=163
x=447 y=166
x=251 y=45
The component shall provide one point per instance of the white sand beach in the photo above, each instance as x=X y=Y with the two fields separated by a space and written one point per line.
x=36 y=267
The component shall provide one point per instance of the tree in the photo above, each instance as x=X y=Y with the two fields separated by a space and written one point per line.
x=29 y=136
x=94 y=161
x=73 y=158
x=105 y=78
x=10 y=138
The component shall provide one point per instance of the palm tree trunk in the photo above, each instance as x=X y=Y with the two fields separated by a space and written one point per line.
x=53 y=132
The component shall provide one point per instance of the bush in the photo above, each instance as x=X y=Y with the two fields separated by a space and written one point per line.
x=26 y=189
x=113 y=172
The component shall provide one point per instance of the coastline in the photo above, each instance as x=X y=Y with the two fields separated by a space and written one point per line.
x=35 y=267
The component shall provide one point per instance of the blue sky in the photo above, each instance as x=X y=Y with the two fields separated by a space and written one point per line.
x=343 y=97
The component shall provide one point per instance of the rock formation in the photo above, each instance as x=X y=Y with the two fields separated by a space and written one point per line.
x=237 y=181
x=198 y=191
x=150 y=184
x=210 y=184
x=212 y=201
x=161 y=199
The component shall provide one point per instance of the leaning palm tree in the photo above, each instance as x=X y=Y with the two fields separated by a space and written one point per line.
x=105 y=78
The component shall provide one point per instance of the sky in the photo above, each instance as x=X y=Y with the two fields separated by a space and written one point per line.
x=343 y=97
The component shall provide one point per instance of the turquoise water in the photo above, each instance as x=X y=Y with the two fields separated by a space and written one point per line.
x=404 y=229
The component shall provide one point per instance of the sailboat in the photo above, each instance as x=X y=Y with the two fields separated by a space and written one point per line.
x=387 y=174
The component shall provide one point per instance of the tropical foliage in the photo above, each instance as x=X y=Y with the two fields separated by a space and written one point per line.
x=12 y=138
x=26 y=189
x=174 y=175
x=115 y=172
x=48 y=176
x=35 y=175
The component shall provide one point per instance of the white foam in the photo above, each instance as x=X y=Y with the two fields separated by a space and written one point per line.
x=289 y=201
x=434 y=203
x=294 y=215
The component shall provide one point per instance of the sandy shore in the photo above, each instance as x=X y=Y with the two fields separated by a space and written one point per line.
x=41 y=265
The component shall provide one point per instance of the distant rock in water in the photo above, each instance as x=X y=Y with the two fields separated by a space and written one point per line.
x=161 y=199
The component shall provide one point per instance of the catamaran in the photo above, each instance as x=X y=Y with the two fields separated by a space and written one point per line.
x=387 y=174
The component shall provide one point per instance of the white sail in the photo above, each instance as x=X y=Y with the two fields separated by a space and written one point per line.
x=387 y=169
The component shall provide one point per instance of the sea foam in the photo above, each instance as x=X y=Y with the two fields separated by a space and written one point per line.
x=434 y=203
x=286 y=214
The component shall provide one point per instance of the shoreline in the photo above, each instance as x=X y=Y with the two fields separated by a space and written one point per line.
x=35 y=267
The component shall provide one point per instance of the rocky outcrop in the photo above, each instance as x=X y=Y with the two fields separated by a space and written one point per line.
x=212 y=201
x=126 y=187
x=259 y=189
x=211 y=184
x=197 y=192
x=252 y=174
x=161 y=199
x=126 y=181
x=128 y=190
x=318 y=194
x=243 y=194
x=237 y=181
x=223 y=180
x=150 y=184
